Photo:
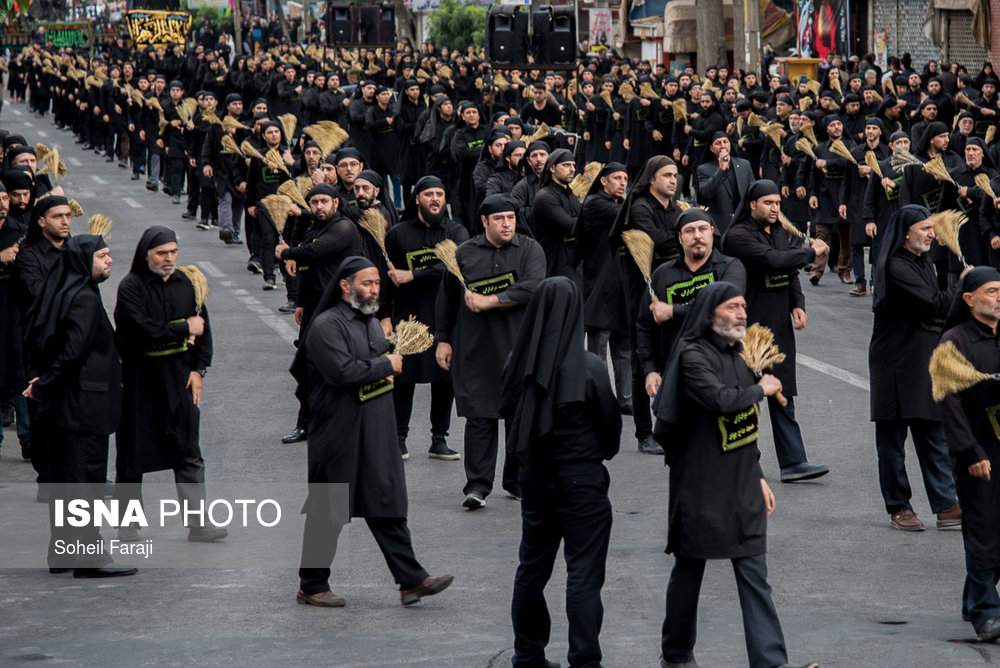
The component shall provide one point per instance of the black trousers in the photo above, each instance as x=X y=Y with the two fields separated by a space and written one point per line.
x=39 y=443
x=319 y=545
x=174 y=176
x=78 y=467
x=641 y=416
x=481 y=436
x=442 y=396
x=189 y=477
x=569 y=505
x=761 y=628
x=264 y=245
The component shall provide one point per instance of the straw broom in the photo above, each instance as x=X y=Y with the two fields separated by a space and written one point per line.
x=760 y=353
x=788 y=226
x=288 y=124
x=210 y=117
x=814 y=86
x=201 y=291
x=304 y=183
x=983 y=183
x=952 y=373
x=581 y=182
x=329 y=138
x=808 y=132
x=805 y=103
x=75 y=210
x=680 y=109
x=626 y=92
x=935 y=167
x=373 y=222
x=872 y=162
x=274 y=157
x=990 y=133
x=640 y=247
x=835 y=85
x=99 y=225
x=277 y=207
x=248 y=150
x=41 y=150
x=964 y=99
x=445 y=252
x=682 y=205
x=229 y=145
x=53 y=165
x=837 y=147
x=606 y=96
x=773 y=132
x=230 y=123
x=946 y=227
x=411 y=337
x=755 y=121
x=542 y=132
x=901 y=158
x=291 y=190
x=501 y=83
x=646 y=91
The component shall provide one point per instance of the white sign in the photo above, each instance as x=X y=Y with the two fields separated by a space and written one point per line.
x=516 y=3
x=600 y=27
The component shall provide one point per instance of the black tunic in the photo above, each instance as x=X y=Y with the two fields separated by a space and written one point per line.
x=11 y=337
x=324 y=247
x=410 y=246
x=482 y=341
x=970 y=420
x=603 y=307
x=554 y=214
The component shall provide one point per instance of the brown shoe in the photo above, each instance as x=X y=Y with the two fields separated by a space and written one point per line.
x=951 y=518
x=905 y=520
x=858 y=291
x=429 y=587
x=324 y=599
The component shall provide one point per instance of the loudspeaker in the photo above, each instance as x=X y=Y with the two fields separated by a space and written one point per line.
x=339 y=24
x=387 y=25
x=554 y=35
x=507 y=35
x=366 y=25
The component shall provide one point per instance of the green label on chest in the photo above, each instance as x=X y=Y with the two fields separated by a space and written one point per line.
x=490 y=286
x=422 y=258
x=777 y=281
x=684 y=292
x=377 y=388
x=739 y=429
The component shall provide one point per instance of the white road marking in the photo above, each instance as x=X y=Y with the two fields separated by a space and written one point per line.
x=227 y=284
x=282 y=325
x=42 y=133
x=98 y=179
x=16 y=112
x=131 y=202
x=833 y=371
x=75 y=162
x=260 y=309
x=248 y=300
x=212 y=270
x=238 y=291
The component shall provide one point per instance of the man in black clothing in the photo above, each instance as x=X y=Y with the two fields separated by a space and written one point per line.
x=78 y=393
x=417 y=277
x=852 y=198
x=475 y=329
x=554 y=213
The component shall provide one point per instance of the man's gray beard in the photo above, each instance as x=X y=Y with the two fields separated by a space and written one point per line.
x=164 y=273
x=732 y=334
x=367 y=309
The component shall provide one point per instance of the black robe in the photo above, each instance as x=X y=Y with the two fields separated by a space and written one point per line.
x=410 y=246
x=159 y=426
x=970 y=419
x=481 y=341
x=603 y=307
x=773 y=288
x=352 y=425
x=554 y=214
x=11 y=337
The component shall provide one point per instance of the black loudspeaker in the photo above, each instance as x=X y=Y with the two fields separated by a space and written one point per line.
x=366 y=25
x=507 y=35
x=554 y=38
x=387 y=25
x=339 y=24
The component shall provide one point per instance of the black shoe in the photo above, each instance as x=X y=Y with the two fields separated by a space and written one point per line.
x=474 y=501
x=626 y=409
x=167 y=190
x=189 y=215
x=153 y=187
x=135 y=176
x=26 y=452
x=514 y=493
x=404 y=453
x=236 y=240
x=294 y=436
x=110 y=158
x=226 y=236
x=287 y=307
x=8 y=417
x=206 y=534
x=105 y=572
x=253 y=266
x=803 y=471
x=649 y=446
x=214 y=223
x=440 y=450
x=57 y=571
x=203 y=225
x=269 y=284
x=123 y=164
x=990 y=630
x=176 y=199
x=814 y=279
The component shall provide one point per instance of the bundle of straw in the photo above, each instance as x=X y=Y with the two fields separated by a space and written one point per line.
x=626 y=92
x=291 y=190
x=872 y=162
x=500 y=82
x=805 y=103
x=935 y=167
x=835 y=85
x=809 y=133
x=606 y=96
x=646 y=91
x=53 y=165
x=640 y=247
x=211 y=118
x=229 y=145
x=304 y=183
x=542 y=132
x=760 y=353
x=445 y=72
x=878 y=98
x=755 y=121
x=277 y=207
x=952 y=373
x=373 y=222
x=902 y=158
x=99 y=225
x=329 y=140
x=964 y=99
x=248 y=150
x=682 y=205
x=230 y=123
x=788 y=226
x=946 y=227
x=837 y=147
x=990 y=134
x=189 y=106
x=814 y=86
x=75 y=210
x=983 y=183
x=773 y=132
x=288 y=123
x=445 y=252
x=680 y=109
x=41 y=150
x=137 y=97
x=275 y=158
x=581 y=182
x=201 y=291
x=411 y=337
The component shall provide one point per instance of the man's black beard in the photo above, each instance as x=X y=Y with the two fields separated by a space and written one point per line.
x=429 y=217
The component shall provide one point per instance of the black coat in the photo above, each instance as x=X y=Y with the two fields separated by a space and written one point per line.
x=773 y=288
x=716 y=506
x=325 y=245
x=352 y=425
x=719 y=193
x=907 y=324
x=970 y=418
x=410 y=246
x=603 y=306
x=554 y=214
x=11 y=337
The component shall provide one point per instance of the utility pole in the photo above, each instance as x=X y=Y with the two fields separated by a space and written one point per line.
x=751 y=24
x=711 y=33
x=238 y=27
x=306 y=21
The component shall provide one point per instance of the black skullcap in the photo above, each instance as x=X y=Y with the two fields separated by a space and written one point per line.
x=831 y=118
x=436 y=89
x=898 y=134
x=176 y=84
x=762 y=188
x=936 y=128
x=11 y=140
x=322 y=189
x=742 y=104
x=787 y=99
x=371 y=176
x=975 y=141
x=349 y=152
x=270 y=124
x=538 y=145
x=47 y=203
x=207 y=93
x=876 y=122
x=497 y=203
x=311 y=144
x=233 y=97
x=611 y=168
x=428 y=182
x=512 y=146
x=18 y=150
x=852 y=97
x=17 y=179
x=410 y=83
x=692 y=215
x=973 y=280
x=350 y=266
x=260 y=116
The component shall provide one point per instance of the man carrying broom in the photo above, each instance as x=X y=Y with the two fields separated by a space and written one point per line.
x=909 y=310
x=969 y=413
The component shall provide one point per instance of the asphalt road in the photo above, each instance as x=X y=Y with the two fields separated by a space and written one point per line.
x=850 y=591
